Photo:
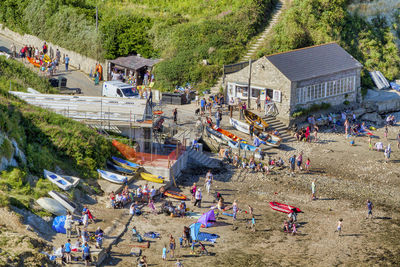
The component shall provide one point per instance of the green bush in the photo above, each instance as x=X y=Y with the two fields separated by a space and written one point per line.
x=313 y=22
x=6 y=149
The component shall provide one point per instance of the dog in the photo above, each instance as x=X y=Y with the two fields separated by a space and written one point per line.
x=197 y=111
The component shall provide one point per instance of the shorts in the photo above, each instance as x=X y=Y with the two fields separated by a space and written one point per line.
x=86 y=257
x=299 y=163
x=203 y=109
x=292 y=166
x=369 y=212
x=164 y=256
x=339 y=228
x=171 y=246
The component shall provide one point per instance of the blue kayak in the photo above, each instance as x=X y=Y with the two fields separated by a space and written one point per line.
x=125 y=163
x=119 y=168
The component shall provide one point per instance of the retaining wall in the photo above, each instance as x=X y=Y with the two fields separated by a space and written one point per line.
x=77 y=60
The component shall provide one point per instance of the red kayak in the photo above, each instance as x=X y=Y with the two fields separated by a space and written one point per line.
x=283 y=207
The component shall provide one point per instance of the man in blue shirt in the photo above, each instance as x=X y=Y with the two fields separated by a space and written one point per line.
x=66 y=59
x=86 y=253
x=67 y=250
x=292 y=162
x=203 y=106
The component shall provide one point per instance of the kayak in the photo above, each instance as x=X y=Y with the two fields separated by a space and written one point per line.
x=63 y=182
x=152 y=178
x=52 y=206
x=259 y=123
x=112 y=177
x=33 y=62
x=283 y=207
x=175 y=195
x=120 y=169
x=63 y=200
x=226 y=135
x=126 y=164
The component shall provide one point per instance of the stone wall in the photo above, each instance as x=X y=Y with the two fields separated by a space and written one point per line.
x=77 y=60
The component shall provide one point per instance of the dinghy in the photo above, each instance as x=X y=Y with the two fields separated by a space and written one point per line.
x=52 y=206
x=270 y=139
x=243 y=146
x=283 y=207
x=112 y=177
x=259 y=123
x=240 y=126
x=126 y=164
x=63 y=182
x=63 y=200
x=217 y=136
x=228 y=136
x=119 y=168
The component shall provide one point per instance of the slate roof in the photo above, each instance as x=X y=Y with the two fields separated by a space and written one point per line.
x=134 y=62
x=314 y=61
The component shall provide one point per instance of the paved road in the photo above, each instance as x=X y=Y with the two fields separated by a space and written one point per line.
x=75 y=78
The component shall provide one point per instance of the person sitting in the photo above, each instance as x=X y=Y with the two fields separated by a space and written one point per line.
x=181 y=209
x=266 y=169
x=280 y=162
x=378 y=146
x=259 y=167
x=276 y=132
x=99 y=234
x=286 y=226
x=112 y=199
x=252 y=164
x=118 y=201
x=244 y=164
x=235 y=160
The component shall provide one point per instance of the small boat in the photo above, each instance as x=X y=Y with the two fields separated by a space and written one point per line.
x=240 y=126
x=152 y=178
x=270 y=139
x=119 y=168
x=52 y=206
x=228 y=136
x=283 y=207
x=63 y=200
x=217 y=136
x=243 y=146
x=175 y=195
x=112 y=177
x=126 y=164
x=127 y=151
x=63 y=182
x=259 y=123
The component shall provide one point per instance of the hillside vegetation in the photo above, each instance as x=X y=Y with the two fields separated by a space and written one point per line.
x=46 y=140
x=312 y=22
x=183 y=33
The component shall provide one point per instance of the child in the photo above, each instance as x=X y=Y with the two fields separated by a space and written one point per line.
x=253 y=223
x=339 y=226
x=386 y=132
x=294 y=230
x=164 y=253
x=308 y=165
x=369 y=143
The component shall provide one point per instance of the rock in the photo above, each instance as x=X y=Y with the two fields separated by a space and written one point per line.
x=29 y=228
x=359 y=112
x=372 y=117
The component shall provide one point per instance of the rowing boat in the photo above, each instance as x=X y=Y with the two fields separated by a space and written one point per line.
x=259 y=123
x=112 y=177
x=152 y=178
x=126 y=164
x=240 y=126
x=33 y=62
x=52 y=206
x=228 y=136
x=270 y=139
x=120 y=169
x=217 y=136
x=243 y=146
x=63 y=200
x=63 y=182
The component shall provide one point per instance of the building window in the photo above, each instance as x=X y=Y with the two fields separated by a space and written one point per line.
x=255 y=92
x=242 y=90
x=326 y=89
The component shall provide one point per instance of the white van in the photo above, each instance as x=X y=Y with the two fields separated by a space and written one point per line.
x=119 y=89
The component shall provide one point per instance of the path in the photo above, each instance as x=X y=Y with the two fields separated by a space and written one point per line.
x=75 y=78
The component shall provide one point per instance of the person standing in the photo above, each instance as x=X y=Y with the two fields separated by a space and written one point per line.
x=313 y=197
x=86 y=253
x=258 y=102
x=300 y=160
x=44 y=48
x=308 y=165
x=66 y=60
x=164 y=253
x=13 y=51
x=217 y=118
x=172 y=246
x=369 y=207
x=235 y=209
x=292 y=162
x=198 y=196
x=193 y=191
x=202 y=106
x=68 y=224
x=387 y=152
x=386 y=132
x=175 y=115
x=231 y=104
x=209 y=180
x=339 y=226
x=67 y=250
x=251 y=130
x=398 y=140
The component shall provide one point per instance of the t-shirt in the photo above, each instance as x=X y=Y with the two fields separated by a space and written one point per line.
x=369 y=204
x=152 y=192
x=292 y=160
x=313 y=186
x=86 y=250
x=66 y=60
x=202 y=103
x=164 y=251
x=67 y=247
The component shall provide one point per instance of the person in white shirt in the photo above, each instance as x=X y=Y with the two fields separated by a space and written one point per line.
x=152 y=193
x=198 y=196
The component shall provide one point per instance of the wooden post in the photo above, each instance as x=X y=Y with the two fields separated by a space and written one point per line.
x=249 y=88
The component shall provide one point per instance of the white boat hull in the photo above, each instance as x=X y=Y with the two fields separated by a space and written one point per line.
x=240 y=126
x=52 y=206
x=63 y=200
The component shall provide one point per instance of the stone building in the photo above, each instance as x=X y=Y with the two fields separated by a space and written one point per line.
x=299 y=78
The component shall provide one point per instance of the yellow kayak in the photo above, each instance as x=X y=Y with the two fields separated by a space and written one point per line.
x=152 y=178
